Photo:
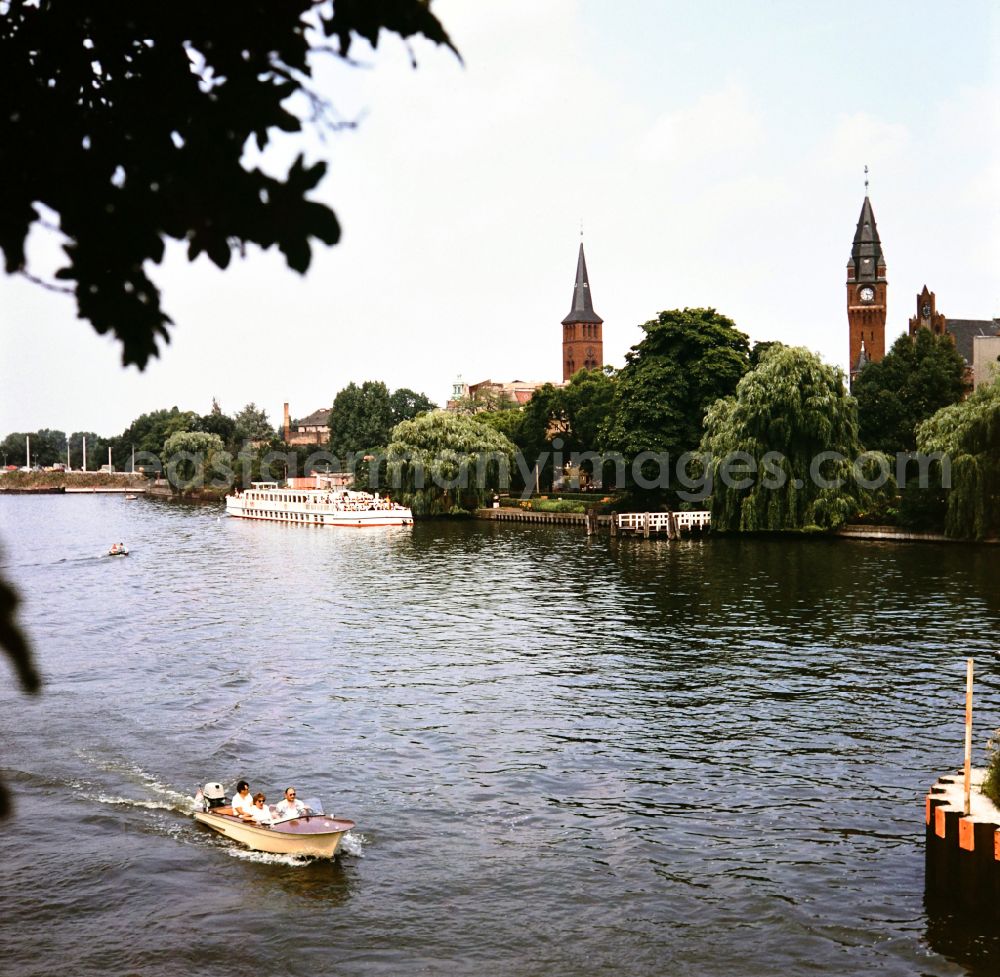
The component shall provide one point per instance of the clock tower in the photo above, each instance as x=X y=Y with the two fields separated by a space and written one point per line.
x=927 y=316
x=866 y=288
x=583 y=342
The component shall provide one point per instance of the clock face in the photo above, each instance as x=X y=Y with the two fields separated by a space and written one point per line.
x=867 y=294
x=926 y=310
x=590 y=350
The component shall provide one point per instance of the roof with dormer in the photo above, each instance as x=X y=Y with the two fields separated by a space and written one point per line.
x=583 y=307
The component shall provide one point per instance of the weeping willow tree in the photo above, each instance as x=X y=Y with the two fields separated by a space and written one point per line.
x=447 y=463
x=968 y=436
x=784 y=451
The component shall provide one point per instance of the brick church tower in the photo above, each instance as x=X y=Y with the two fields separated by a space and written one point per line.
x=927 y=316
x=866 y=287
x=583 y=343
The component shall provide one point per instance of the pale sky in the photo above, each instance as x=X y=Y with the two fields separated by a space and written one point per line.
x=713 y=151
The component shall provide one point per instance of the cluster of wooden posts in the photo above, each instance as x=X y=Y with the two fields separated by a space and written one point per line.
x=962 y=831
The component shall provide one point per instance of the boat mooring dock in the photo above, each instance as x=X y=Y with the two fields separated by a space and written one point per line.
x=648 y=524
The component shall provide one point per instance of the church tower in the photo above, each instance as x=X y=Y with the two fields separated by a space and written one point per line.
x=927 y=316
x=866 y=288
x=583 y=342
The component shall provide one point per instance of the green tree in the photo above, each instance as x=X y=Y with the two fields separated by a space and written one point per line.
x=760 y=349
x=687 y=360
x=968 y=434
x=47 y=447
x=216 y=422
x=405 y=404
x=192 y=458
x=122 y=179
x=918 y=376
x=507 y=422
x=12 y=449
x=564 y=419
x=251 y=424
x=361 y=419
x=445 y=462
x=148 y=431
x=543 y=419
x=97 y=450
x=482 y=400
x=585 y=403
x=782 y=451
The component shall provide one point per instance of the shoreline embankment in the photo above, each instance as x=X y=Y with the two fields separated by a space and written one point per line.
x=59 y=483
x=858 y=531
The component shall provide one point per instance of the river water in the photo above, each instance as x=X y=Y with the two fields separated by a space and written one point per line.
x=564 y=757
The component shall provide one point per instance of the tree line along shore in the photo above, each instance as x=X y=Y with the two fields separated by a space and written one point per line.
x=815 y=455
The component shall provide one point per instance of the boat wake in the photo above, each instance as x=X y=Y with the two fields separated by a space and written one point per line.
x=353 y=844
x=265 y=858
x=180 y=804
x=164 y=797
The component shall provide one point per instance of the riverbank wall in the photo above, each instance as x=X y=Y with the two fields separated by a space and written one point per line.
x=962 y=851
x=58 y=483
x=893 y=534
x=551 y=518
x=162 y=489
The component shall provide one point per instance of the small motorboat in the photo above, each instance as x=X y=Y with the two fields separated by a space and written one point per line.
x=131 y=498
x=312 y=833
x=118 y=549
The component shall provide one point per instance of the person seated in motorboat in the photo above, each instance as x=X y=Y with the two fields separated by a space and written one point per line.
x=290 y=807
x=115 y=549
x=242 y=799
x=259 y=811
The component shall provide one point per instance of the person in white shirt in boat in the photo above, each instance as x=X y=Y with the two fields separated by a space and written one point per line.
x=290 y=807
x=242 y=799
x=259 y=811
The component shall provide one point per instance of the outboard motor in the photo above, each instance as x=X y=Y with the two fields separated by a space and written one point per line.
x=213 y=795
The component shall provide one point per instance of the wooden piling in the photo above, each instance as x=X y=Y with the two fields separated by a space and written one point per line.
x=968 y=734
x=962 y=854
x=645 y=525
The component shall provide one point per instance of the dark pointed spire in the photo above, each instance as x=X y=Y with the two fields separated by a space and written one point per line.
x=866 y=254
x=863 y=360
x=583 y=307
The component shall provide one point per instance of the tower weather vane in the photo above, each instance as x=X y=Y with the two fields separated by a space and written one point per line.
x=866 y=179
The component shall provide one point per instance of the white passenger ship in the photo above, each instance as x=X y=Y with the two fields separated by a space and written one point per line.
x=319 y=506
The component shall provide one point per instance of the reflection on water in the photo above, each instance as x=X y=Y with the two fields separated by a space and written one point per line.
x=564 y=756
x=968 y=938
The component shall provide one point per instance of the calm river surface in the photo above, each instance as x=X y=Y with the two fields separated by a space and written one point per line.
x=564 y=757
